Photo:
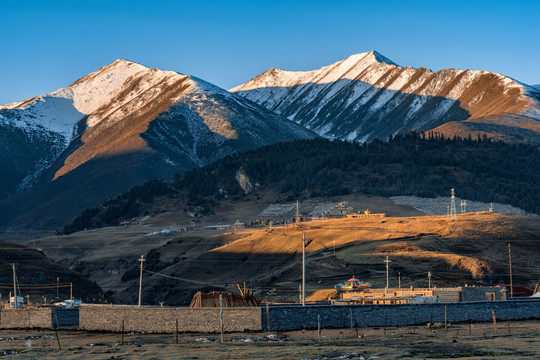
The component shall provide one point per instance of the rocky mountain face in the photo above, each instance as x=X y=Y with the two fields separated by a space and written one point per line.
x=367 y=96
x=113 y=129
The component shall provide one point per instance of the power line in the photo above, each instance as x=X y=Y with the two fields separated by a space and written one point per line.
x=184 y=279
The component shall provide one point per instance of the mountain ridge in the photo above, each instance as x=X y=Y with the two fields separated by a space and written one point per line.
x=365 y=96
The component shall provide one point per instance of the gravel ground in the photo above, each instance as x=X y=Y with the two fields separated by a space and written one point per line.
x=440 y=205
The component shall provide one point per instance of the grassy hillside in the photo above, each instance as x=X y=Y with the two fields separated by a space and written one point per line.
x=425 y=166
x=472 y=249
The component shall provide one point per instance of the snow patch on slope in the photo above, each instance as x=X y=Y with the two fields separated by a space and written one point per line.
x=51 y=113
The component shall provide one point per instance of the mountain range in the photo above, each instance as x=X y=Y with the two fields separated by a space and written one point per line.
x=113 y=129
x=368 y=96
x=126 y=124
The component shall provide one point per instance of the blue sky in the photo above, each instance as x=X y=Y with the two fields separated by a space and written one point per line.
x=46 y=45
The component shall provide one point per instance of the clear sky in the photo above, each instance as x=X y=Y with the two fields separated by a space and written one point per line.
x=49 y=44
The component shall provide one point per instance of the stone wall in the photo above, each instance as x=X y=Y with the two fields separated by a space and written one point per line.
x=26 y=318
x=290 y=317
x=480 y=293
x=296 y=317
x=163 y=320
x=65 y=318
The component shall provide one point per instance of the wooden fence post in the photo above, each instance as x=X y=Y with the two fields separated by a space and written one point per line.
x=221 y=315
x=445 y=320
x=267 y=318
x=319 y=326
x=56 y=330
x=494 y=322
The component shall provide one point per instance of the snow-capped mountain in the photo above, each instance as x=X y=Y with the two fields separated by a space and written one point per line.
x=367 y=96
x=125 y=119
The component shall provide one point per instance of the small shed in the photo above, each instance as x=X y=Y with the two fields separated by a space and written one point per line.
x=246 y=298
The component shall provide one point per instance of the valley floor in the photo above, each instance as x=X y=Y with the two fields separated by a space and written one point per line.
x=471 y=249
x=511 y=340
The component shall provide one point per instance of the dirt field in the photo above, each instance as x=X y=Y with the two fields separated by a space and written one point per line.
x=523 y=341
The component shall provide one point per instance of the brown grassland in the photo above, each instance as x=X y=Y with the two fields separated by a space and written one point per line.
x=471 y=249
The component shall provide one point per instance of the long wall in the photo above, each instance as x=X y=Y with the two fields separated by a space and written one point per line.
x=338 y=316
x=162 y=320
x=293 y=317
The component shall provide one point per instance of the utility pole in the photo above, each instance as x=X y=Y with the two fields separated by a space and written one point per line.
x=429 y=279
x=71 y=291
x=57 y=283
x=140 y=279
x=387 y=262
x=510 y=265
x=399 y=280
x=303 y=269
x=14 y=284
x=334 y=241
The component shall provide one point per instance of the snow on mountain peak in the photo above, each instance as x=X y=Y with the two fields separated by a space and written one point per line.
x=94 y=95
x=381 y=58
x=366 y=95
x=348 y=69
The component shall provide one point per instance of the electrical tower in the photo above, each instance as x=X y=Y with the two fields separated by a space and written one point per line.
x=463 y=205
x=453 y=205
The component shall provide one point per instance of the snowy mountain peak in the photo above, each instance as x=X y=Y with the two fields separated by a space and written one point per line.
x=381 y=58
x=367 y=96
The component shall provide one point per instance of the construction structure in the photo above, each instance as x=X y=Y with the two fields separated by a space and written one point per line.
x=366 y=214
x=421 y=295
x=246 y=298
